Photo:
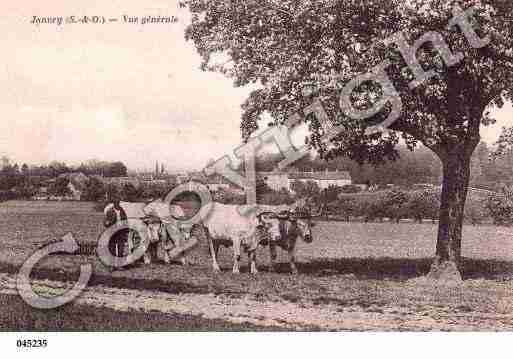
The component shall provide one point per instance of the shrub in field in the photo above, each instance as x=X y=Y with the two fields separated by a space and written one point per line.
x=228 y=197
x=59 y=187
x=500 y=207
x=350 y=188
x=389 y=204
x=154 y=190
x=306 y=189
x=94 y=190
x=331 y=194
x=361 y=204
x=423 y=204
x=368 y=205
x=277 y=198
x=130 y=193
x=344 y=208
x=24 y=191
x=394 y=204
x=375 y=207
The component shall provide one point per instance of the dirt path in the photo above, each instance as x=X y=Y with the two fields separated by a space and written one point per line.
x=273 y=312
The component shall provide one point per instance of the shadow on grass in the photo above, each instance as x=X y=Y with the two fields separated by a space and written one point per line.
x=18 y=316
x=399 y=268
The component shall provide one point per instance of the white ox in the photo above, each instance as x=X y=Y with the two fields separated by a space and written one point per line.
x=225 y=225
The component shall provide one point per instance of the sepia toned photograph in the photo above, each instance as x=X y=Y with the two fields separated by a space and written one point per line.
x=255 y=166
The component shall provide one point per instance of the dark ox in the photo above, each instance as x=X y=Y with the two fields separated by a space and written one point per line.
x=283 y=230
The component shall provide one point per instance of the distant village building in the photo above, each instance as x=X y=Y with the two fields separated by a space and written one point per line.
x=120 y=181
x=275 y=180
x=324 y=179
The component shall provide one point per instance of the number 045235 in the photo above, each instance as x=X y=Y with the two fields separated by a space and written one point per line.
x=31 y=343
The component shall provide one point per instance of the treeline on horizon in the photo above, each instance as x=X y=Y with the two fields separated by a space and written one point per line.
x=412 y=167
x=56 y=168
x=14 y=175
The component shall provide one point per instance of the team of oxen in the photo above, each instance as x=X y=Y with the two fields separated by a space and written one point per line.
x=242 y=228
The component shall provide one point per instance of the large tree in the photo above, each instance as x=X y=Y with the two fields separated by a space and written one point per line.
x=294 y=52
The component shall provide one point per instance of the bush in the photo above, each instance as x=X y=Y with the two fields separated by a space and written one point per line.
x=374 y=207
x=500 y=207
x=229 y=197
x=94 y=190
x=329 y=194
x=308 y=189
x=346 y=208
x=59 y=187
x=276 y=198
x=130 y=193
x=384 y=204
x=394 y=204
x=154 y=190
x=423 y=204
x=24 y=192
x=350 y=188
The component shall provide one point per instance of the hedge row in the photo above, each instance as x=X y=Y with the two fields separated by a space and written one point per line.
x=398 y=204
x=500 y=206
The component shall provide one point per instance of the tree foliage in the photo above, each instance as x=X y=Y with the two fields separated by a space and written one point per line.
x=305 y=189
x=59 y=187
x=295 y=51
x=94 y=190
x=284 y=46
x=500 y=206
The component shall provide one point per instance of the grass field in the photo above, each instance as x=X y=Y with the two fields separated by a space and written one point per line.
x=349 y=267
x=21 y=317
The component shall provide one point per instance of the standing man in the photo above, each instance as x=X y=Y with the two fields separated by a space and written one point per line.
x=119 y=242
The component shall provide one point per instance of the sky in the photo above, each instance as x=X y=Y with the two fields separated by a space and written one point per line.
x=116 y=91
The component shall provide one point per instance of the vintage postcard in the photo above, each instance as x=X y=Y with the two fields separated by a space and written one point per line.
x=256 y=165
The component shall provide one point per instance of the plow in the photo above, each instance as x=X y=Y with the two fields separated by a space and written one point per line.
x=148 y=226
x=161 y=243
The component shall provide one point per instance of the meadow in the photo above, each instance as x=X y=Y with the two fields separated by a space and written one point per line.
x=349 y=268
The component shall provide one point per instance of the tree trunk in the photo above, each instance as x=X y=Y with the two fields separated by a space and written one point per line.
x=456 y=175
